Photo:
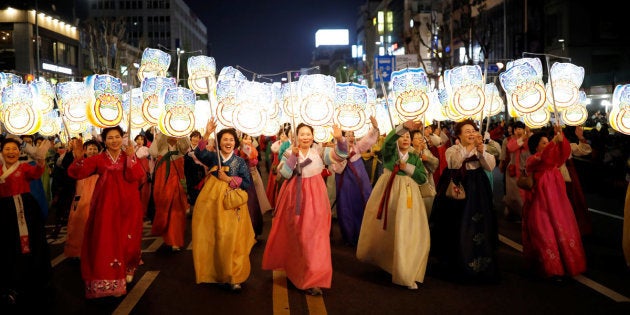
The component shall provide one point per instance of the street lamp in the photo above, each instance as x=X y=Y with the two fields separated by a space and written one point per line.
x=561 y=41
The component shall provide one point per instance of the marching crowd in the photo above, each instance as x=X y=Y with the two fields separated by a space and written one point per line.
x=414 y=197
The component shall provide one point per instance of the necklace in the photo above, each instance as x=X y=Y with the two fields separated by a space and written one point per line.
x=114 y=161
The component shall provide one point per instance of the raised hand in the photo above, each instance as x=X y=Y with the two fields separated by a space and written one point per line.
x=77 y=148
x=412 y=125
x=337 y=134
x=374 y=122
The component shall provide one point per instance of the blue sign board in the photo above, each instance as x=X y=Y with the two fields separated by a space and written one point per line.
x=493 y=68
x=383 y=67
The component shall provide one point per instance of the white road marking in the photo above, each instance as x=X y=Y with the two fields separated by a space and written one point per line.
x=615 y=296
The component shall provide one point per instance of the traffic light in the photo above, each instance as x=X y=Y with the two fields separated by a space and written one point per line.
x=29 y=78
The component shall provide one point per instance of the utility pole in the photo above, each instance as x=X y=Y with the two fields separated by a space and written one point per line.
x=36 y=40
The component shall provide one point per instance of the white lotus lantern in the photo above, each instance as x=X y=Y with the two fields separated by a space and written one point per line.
x=316 y=98
x=409 y=88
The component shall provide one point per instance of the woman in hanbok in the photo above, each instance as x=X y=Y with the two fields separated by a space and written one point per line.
x=142 y=153
x=81 y=206
x=27 y=155
x=431 y=163
x=257 y=203
x=516 y=148
x=25 y=269
x=552 y=245
x=464 y=233
x=169 y=194
x=222 y=238
x=194 y=170
x=579 y=148
x=395 y=228
x=273 y=182
x=112 y=239
x=353 y=184
x=299 y=241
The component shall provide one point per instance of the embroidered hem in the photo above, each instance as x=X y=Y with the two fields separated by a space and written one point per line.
x=102 y=288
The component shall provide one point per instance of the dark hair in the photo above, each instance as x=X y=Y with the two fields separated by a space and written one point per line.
x=92 y=142
x=304 y=125
x=27 y=136
x=231 y=131
x=459 y=125
x=9 y=140
x=518 y=124
x=534 y=140
x=144 y=139
x=108 y=129
x=195 y=133
x=285 y=128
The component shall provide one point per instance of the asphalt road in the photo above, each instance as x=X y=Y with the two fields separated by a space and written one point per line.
x=165 y=284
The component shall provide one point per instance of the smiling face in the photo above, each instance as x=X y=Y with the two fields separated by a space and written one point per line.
x=113 y=140
x=418 y=141
x=404 y=142
x=350 y=137
x=467 y=135
x=305 y=137
x=140 y=141
x=10 y=153
x=247 y=140
x=91 y=150
x=227 y=143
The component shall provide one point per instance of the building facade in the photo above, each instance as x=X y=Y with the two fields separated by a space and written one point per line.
x=57 y=58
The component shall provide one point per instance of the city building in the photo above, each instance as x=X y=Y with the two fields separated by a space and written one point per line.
x=169 y=25
x=57 y=58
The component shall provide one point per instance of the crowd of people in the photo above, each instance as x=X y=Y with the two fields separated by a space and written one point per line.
x=416 y=197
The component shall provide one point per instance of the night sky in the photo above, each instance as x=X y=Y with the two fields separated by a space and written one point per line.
x=271 y=36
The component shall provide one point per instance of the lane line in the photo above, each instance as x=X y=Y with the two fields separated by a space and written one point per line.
x=606 y=214
x=57 y=260
x=316 y=305
x=280 y=293
x=601 y=289
x=154 y=246
x=615 y=296
x=132 y=298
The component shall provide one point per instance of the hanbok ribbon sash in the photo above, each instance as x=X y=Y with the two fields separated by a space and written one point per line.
x=21 y=221
x=298 y=184
x=384 y=204
x=8 y=171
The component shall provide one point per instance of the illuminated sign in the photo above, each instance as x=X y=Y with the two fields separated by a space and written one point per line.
x=332 y=37
x=49 y=67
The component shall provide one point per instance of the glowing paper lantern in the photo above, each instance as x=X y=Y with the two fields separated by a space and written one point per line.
x=151 y=89
x=271 y=128
x=19 y=115
x=72 y=99
x=537 y=119
x=576 y=114
x=317 y=98
x=409 y=88
x=619 y=116
x=200 y=68
x=177 y=119
x=465 y=88
x=522 y=82
x=290 y=99
x=106 y=110
x=133 y=99
x=567 y=79
x=253 y=101
x=494 y=102
x=203 y=112
x=350 y=103
x=51 y=124
x=154 y=63
x=226 y=99
x=43 y=94
x=322 y=134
